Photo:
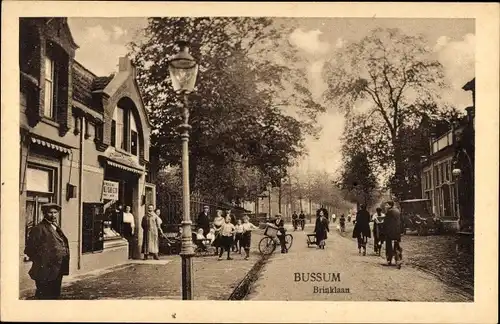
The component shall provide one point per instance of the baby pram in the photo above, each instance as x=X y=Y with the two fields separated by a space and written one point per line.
x=203 y=246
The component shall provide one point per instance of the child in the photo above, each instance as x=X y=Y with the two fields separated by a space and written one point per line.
x=199 y=234
x=239 y=235
x=211 y=236
x=227 y=231
x=247 y=235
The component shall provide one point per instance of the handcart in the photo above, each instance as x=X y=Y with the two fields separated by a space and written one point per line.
x=311 y=239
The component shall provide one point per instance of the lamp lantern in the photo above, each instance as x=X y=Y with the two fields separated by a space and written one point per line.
x=183 y=69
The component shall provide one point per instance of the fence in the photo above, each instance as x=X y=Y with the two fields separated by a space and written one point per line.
x=171 y=209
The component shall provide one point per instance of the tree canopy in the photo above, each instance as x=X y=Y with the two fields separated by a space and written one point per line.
x=247 y=85
x=400 y=79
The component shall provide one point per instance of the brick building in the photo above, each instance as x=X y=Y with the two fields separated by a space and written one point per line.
x=452 y=192
x=82 y=136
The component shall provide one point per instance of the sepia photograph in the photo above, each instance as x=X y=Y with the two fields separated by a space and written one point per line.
x=247 y=158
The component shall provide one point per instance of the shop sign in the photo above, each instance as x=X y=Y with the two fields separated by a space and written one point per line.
x=110 y=190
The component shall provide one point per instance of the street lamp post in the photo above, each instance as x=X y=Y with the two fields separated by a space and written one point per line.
x=183 y=70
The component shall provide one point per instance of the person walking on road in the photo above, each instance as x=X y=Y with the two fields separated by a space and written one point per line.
x=295 y=219
x=321 y=229
x=247 y=235
x=342 y=223
x=362 y=228
x=392 y=231
x=302 y=219
x=378 y=234
x=151 y=224
x=48 y=249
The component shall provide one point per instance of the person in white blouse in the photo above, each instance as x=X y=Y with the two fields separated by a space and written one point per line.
x=129 y=229
x=378 y=233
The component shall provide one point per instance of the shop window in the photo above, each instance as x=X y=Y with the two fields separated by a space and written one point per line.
x=50 y=89
x=92 y=227
x=40 y=189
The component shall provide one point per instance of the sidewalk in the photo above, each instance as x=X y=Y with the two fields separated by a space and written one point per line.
x=213 y=279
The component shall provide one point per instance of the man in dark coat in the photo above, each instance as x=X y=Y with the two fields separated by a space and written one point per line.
x=204 y=220
x=362 y=228
x=48 y=249
x=392 y=232
x=302 y=219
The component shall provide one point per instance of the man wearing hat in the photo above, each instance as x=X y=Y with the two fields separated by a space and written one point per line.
x=48 y=249
x=204 y=220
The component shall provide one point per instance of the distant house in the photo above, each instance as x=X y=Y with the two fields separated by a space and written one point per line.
x=448 y=170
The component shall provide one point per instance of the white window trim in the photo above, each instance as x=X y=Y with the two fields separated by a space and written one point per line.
x=48 y=110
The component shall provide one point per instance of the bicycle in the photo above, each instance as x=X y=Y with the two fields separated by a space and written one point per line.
x=268 y=244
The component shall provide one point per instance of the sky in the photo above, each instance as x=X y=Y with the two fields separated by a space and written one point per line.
x=102 y=40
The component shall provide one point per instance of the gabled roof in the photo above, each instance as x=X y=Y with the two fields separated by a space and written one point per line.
x=470 y=86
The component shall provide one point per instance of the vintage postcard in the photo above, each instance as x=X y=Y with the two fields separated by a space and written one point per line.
x=208 y=162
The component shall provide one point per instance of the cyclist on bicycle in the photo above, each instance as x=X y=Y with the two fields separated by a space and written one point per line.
x=295 y=220
x=280 y=224
x=302 y=219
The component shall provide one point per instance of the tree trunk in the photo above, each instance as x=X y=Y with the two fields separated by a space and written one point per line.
x=279 y=198
x=399 y=184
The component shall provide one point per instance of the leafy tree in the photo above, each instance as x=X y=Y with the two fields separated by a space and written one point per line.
x=397 y=74
x=358 y=180
x=246 y=82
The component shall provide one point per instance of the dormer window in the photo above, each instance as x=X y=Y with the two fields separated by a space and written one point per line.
x=50 y=89
x=124 y=134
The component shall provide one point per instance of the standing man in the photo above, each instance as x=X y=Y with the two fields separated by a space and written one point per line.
x=392 y=231
x=48 y=249
x=203 y=220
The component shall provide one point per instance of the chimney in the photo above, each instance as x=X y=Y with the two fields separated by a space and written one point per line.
x=125 y=65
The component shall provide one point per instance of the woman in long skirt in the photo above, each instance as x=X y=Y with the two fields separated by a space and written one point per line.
x=362 y=228
x=321 y=229
x=151 y=224
x=218 y=222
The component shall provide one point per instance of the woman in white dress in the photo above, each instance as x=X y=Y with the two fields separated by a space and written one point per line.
x=151 y=224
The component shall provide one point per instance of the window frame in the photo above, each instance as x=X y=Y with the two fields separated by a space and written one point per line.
x=50 y=110
x=38 y=198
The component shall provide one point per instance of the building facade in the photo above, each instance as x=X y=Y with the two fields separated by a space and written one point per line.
x=448 y=171
x=84 y=145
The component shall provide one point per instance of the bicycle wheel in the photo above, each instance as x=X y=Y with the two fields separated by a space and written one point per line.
x=288 y=241
x=267 y=245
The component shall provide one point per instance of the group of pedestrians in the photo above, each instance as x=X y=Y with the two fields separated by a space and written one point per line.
x=386 y=228
x=298 y=220
x=229 y=234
